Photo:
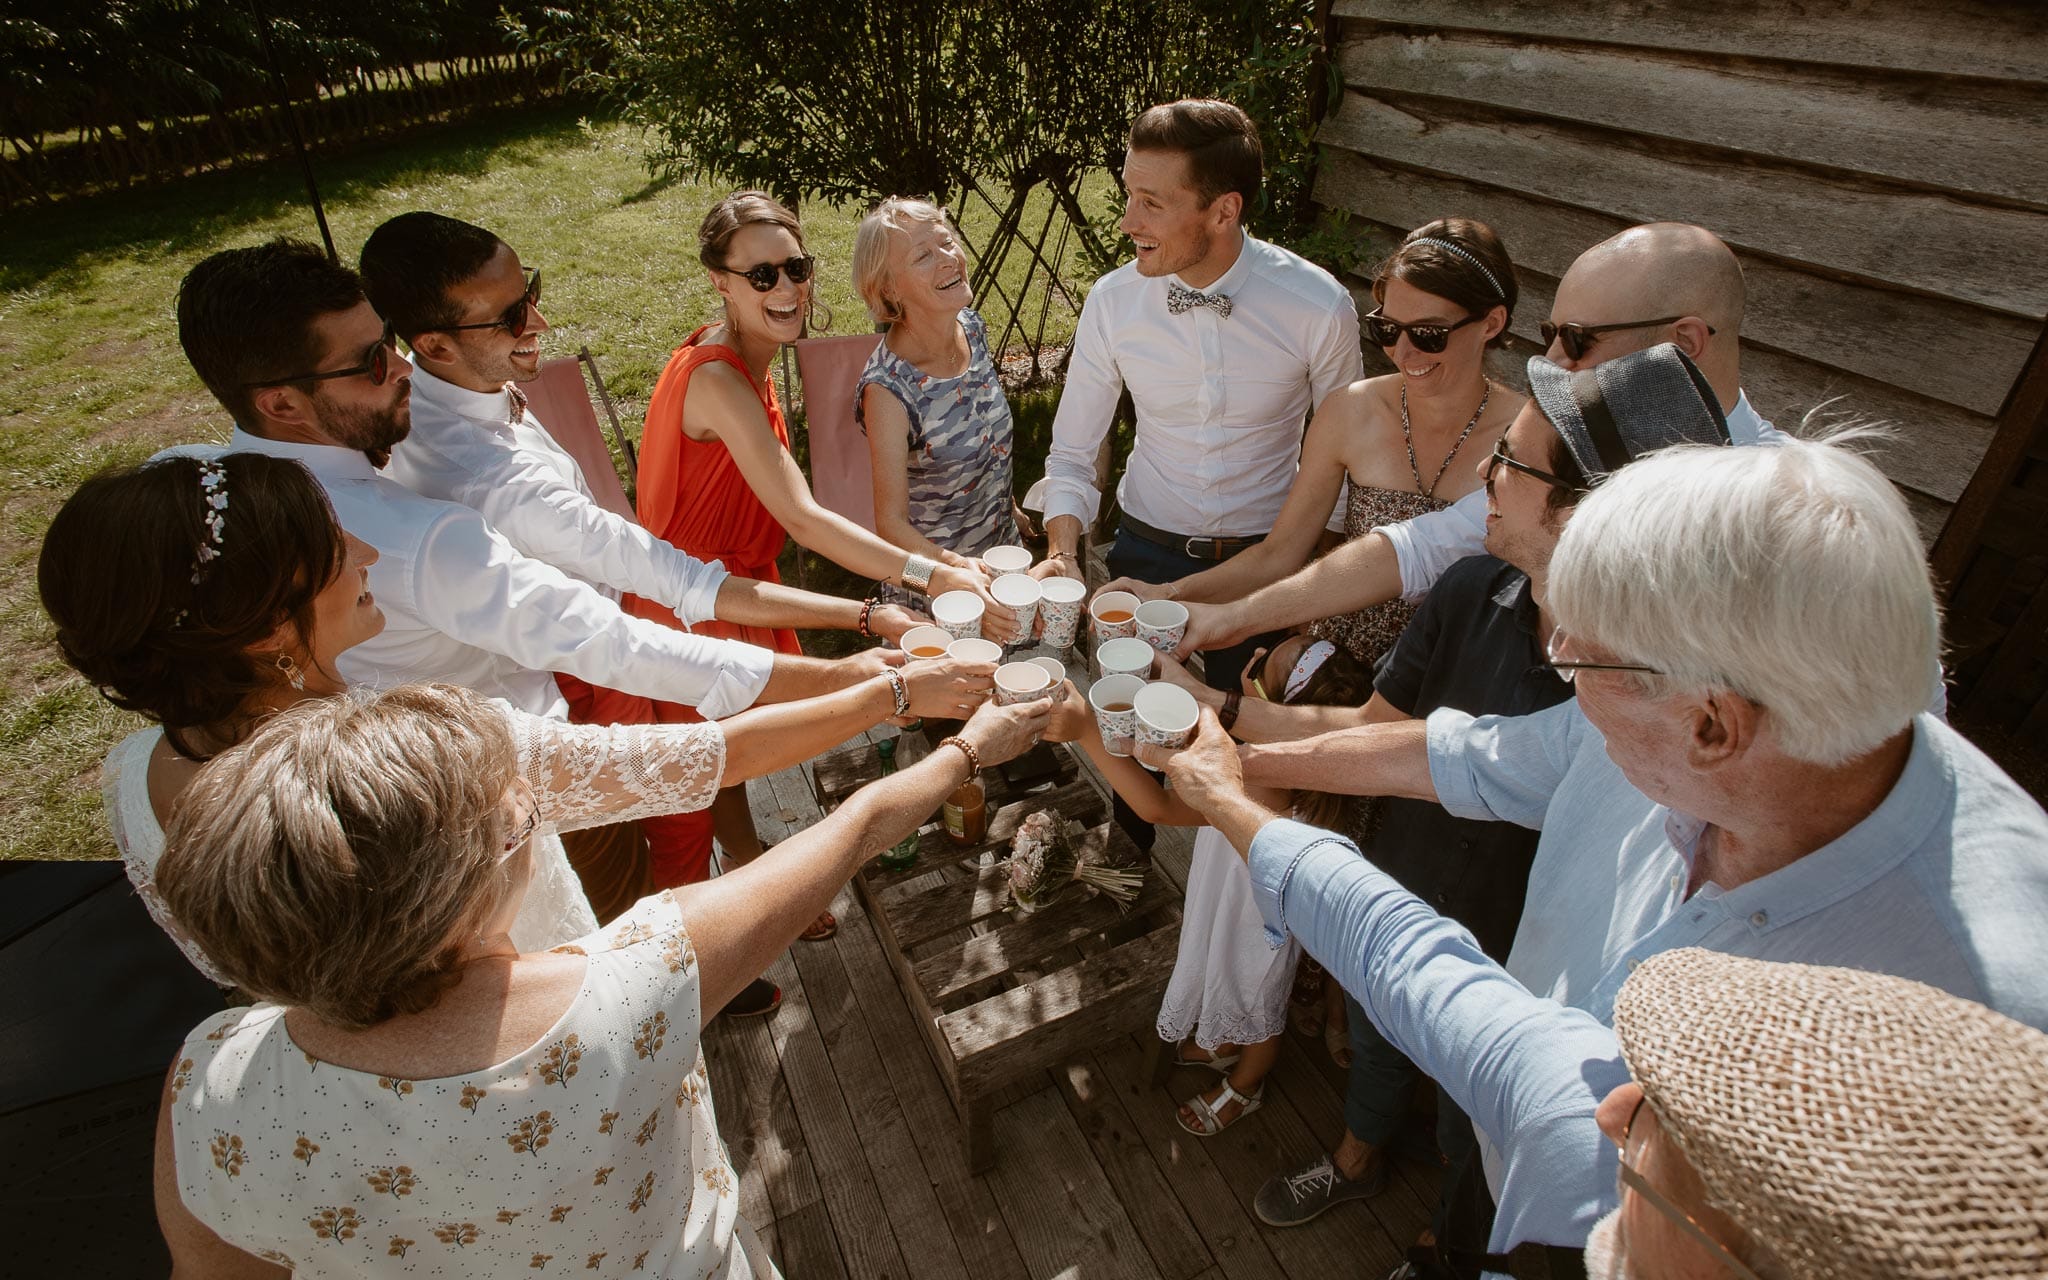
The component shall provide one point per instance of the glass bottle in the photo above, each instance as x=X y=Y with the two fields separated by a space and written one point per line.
x=966 y=813
x=904 y=854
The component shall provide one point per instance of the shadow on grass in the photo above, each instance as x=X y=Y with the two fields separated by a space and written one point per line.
x=55 y=245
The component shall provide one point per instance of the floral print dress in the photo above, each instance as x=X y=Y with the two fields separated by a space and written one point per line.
x=595 y=1151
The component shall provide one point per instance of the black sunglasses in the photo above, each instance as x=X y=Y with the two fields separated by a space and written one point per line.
x=1579 y=338
x=514 y=321
x=377 y=364
x=1428 y=338
x=1500 y=458
x=762 y=275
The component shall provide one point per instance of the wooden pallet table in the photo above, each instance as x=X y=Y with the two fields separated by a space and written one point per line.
x=1001 y=994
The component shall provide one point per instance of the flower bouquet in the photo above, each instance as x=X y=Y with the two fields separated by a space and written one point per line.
x=1044 y=860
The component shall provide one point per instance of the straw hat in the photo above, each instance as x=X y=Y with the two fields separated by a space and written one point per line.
x=1854 y=1124
x=1620 y=409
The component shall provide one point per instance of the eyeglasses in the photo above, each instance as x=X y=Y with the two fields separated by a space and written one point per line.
x=1579 y=338
x=1568 y=671
x=1627 y=1180
x=376 y=363
x=516 y=317
x=1429 y=339
x=1500 y=458
x=526 y=829
x=762 y=275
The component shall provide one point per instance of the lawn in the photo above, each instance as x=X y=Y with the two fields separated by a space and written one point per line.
x=95 y=377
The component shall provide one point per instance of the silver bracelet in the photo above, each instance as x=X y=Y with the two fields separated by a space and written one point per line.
x=899 y=689
x=917 y=573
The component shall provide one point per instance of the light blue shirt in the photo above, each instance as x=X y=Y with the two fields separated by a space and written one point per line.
x=1529 y=1072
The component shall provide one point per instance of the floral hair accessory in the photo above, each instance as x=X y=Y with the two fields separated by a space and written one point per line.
x=213 y=497
x=1305 y=667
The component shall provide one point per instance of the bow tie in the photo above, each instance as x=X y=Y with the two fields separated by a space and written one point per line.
x=517 y=414
x=1180 y=298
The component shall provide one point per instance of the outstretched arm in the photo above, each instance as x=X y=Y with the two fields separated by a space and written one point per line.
x=1357 y=575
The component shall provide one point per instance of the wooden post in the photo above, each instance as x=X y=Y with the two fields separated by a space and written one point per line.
x=2020 y=419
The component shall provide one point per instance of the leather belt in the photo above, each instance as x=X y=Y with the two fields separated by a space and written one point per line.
x=1191 y=547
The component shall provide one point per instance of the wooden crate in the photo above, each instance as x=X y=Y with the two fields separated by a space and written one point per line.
x=1001 y=994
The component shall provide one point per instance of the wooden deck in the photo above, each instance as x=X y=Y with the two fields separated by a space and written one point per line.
x=850 y=1154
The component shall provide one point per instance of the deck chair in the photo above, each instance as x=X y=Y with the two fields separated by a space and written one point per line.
x=841 y=478
x=561 y=401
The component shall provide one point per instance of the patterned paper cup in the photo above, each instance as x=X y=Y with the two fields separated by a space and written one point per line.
x=1125 y=656
x=975 y=649
x=1019 y=594
x=1059 y=611
x=1021 y=682
x=1057 y=670
x=1162 y=623
x=1114 y=614
x=1166 y=715
x=1115 y=715
x=959 y=612
x=1006 y=560
x=920 y=643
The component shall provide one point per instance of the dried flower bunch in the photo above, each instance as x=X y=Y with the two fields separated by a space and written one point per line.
x=1044 y=860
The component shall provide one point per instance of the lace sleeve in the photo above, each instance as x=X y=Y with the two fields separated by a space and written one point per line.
x=589 y=775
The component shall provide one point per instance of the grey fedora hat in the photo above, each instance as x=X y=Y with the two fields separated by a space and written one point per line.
x=1621 y=409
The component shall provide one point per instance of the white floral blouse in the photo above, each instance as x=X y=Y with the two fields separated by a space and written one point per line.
x=595 y=1151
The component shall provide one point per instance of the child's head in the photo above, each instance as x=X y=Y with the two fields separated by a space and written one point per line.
x=1307 y=671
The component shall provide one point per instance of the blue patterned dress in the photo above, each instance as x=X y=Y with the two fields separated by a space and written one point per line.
x=960 y=442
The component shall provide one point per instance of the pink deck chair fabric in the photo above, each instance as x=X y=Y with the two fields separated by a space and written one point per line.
x=561 y=400
x=841 y=477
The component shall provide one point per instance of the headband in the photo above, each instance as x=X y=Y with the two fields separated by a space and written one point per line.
x=213 y=495
x=1305 y=667
x=1467 y=255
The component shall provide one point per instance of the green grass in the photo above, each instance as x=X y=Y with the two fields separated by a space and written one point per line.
x=94 y=377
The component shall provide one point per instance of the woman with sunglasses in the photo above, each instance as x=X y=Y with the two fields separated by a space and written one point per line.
x=716 y=475
x=211 y=594
x=1388 y=444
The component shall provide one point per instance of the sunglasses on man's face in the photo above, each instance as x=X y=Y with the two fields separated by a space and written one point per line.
x=376 y=363
x=1579 y=338
x=762 y=275
x=1430 y=339
x=516 y=318
x=1501 y=458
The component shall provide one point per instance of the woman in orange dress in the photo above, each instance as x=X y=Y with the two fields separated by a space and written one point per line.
x=716 y=476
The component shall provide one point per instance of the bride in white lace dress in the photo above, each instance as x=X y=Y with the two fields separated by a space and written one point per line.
x=209 y=595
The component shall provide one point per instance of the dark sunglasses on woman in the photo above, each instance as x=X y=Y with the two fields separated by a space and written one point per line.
x=762 y=275
x=1430 y=339
x=376 y=363
x=514 y=320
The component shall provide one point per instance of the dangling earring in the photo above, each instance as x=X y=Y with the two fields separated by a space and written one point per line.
x=291 y=671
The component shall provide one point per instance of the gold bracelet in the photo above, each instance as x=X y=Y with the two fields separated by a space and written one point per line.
x=967 y=748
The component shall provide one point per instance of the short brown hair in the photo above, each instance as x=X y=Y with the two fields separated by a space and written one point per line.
x=247 y=315
x=339 y=860
x=1460 y=260
x=1220 y=142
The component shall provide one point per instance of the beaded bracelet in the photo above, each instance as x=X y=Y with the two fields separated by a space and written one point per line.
x=867 y=609
x=973 y=756
x=899 y=689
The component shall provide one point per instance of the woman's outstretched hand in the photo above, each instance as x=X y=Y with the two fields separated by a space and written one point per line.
x=1004 y=733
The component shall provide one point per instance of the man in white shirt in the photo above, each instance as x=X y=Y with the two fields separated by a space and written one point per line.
x=1660 y=282
x=1226 y=344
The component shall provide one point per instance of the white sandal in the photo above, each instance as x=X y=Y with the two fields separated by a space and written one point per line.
x=1221 y=1063
x=1207 y=1125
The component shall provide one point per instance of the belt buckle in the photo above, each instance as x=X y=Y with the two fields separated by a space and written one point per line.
x=1188 y=548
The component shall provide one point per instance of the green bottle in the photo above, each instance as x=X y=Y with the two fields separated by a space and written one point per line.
x=905 y=852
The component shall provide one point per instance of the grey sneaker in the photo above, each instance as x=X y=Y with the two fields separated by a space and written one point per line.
x=1290 y=1199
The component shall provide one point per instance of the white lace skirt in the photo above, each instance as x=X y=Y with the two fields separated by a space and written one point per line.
x=556 y=910
x=1229 y=985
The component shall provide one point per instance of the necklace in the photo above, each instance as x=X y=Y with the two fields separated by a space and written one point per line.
x=1409 y=437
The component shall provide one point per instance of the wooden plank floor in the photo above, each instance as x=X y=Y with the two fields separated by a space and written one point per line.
x=851 y=1161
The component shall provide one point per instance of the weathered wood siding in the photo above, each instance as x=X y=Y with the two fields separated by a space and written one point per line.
x=1880 y=167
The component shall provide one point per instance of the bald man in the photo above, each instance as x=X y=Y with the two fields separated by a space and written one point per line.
x=1659 y=282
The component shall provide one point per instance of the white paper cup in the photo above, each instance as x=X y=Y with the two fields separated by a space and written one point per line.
x=1019 y=594
x=1006 y=560
x=1118 y=728
x=975 y=649
x=1122 y=602
x=1125 y=656
x=1059 y=610
x=1166 y=714
x=920 y=643
x=1162 y=623
x=1057 y=670
x=959 y=612
x=1021 y=682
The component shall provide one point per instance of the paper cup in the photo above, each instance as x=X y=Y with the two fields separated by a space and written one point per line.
x=959 y=612
x=1056 y=669
x=1123 y=606
x=1162 y=623
x=1116 y=717
x=1019 y=594
x=975 y=649
x=1059 y=611
x=1166 y=714
x=1125 y=656
x=1021 y=682
x=1006 y=560
x=920 y=643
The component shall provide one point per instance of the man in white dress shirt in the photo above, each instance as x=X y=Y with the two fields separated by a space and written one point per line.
x=1226 y=344
x=1660 y=282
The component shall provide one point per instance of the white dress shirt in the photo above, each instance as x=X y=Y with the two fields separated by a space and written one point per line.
x=1429 y=544
x=1220 y=402
x=466 y=447
x=461 y=605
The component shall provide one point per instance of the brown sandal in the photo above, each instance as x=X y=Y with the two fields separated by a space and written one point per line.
x=822 y=928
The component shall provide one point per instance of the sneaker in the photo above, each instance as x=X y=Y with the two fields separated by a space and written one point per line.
x=1290 y=1199
x=758 y=998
